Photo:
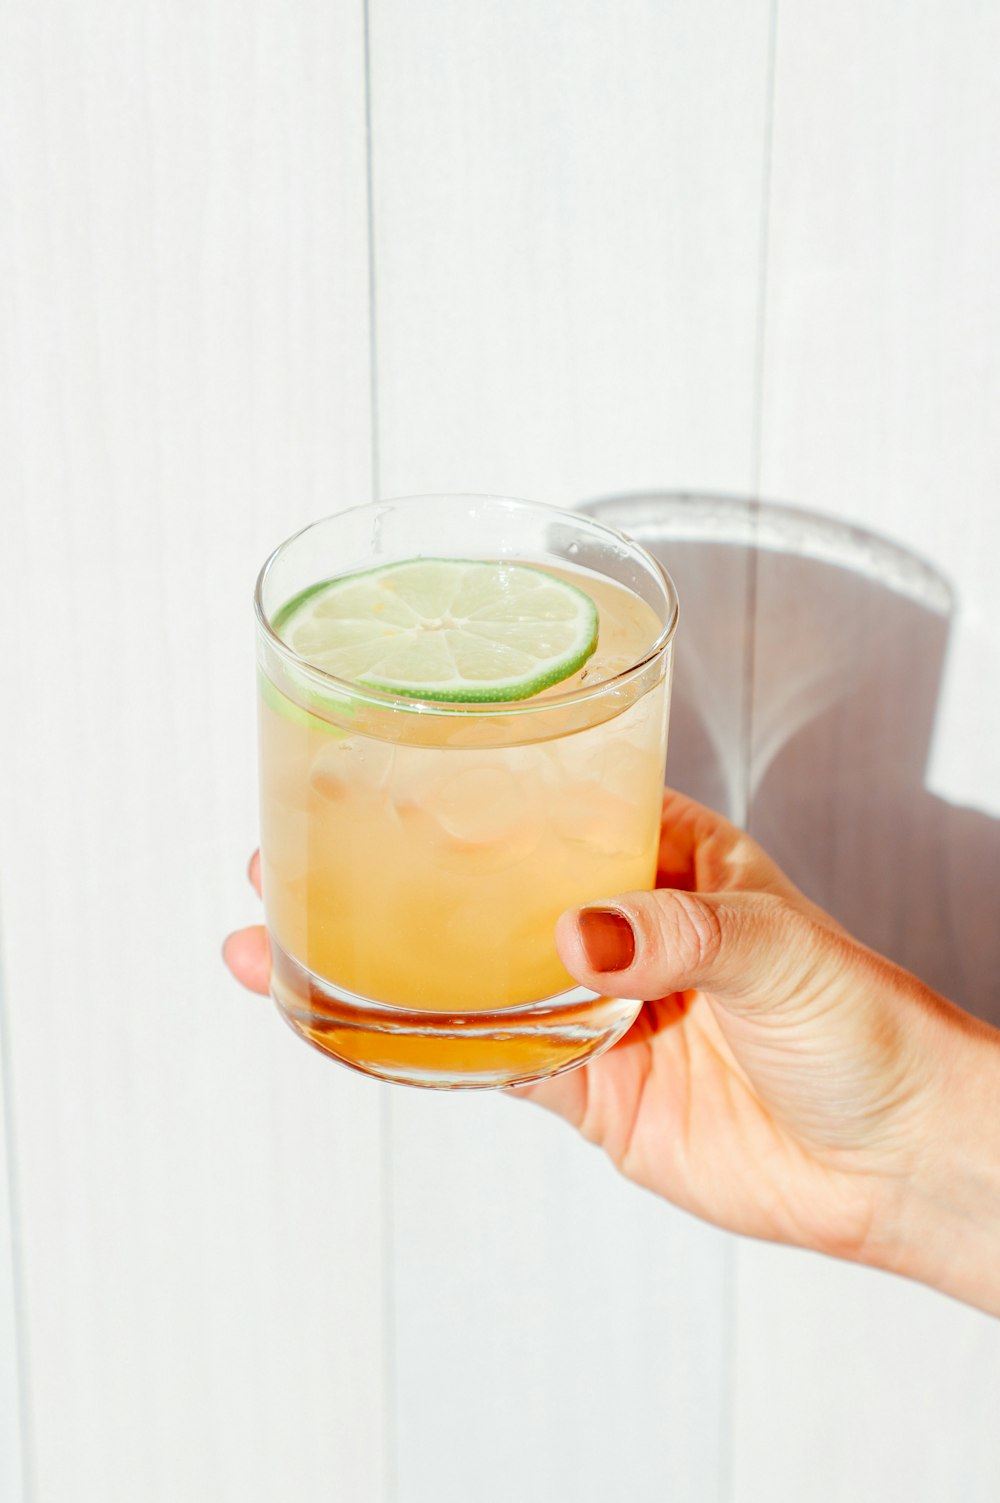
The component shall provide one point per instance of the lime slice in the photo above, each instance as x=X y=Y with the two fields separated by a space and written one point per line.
x=465 y=630
x=282 y=705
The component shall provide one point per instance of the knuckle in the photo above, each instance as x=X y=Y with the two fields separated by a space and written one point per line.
x=797 y=952
x=694 y=930
x=799 y=930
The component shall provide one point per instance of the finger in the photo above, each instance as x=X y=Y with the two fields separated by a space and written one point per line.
x=599 y=1098
x=685 y=826
x=702 y=852
x=565 y=1095
x=253 y=872
x=744 y=947
x=248 y=956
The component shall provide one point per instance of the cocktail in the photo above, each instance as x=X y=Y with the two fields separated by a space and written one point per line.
x=463 y=713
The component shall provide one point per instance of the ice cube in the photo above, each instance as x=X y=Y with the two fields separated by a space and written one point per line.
x=590 y=817
x=352 y=764
x=631 y=772
x=479 y=814
x=481 y=803
x=581 y=756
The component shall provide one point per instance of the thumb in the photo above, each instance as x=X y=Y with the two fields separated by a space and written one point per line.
x=742 y=947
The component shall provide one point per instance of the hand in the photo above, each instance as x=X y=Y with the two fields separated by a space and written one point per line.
x=247 y=952
x=782 y=1080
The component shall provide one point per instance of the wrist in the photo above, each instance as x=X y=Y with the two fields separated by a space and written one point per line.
x=940 y=1221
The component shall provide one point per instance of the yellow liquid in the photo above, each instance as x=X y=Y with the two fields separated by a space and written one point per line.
x=430 y=877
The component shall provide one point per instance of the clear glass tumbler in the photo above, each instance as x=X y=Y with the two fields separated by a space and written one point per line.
x=417 y=854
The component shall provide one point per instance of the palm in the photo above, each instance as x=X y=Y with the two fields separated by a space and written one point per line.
x=676 y=1114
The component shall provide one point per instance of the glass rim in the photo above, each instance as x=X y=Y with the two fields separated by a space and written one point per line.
x=489 y=708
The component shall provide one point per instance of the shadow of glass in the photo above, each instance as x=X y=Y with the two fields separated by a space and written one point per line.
x=809 y=663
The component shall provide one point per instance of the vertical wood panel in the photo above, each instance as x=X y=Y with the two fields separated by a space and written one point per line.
x=183 y=381
x=567 y=217
x=12 y=1479
x=567 y=211
x=882 y=384
x=559 y=1333
x=882 y=373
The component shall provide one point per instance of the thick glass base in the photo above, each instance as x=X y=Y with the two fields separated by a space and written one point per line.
x=448 y=1051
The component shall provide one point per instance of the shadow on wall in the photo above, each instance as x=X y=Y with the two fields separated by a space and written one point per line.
x=809 y=662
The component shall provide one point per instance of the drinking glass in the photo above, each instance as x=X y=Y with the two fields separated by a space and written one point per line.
x=416 y=854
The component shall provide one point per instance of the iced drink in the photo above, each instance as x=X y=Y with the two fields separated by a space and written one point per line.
x=416 y=855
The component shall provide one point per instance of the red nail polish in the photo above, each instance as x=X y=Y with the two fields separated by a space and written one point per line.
x=608 y=939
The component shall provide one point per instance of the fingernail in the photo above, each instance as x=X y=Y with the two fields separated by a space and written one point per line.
x=607 y=938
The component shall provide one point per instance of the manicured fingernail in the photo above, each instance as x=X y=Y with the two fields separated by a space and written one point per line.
x=607 y=937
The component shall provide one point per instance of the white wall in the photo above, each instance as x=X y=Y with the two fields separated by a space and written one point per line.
x=257 y=264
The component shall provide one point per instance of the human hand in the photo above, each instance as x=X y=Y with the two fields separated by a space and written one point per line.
x=247 y=952
x=782 y=1081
